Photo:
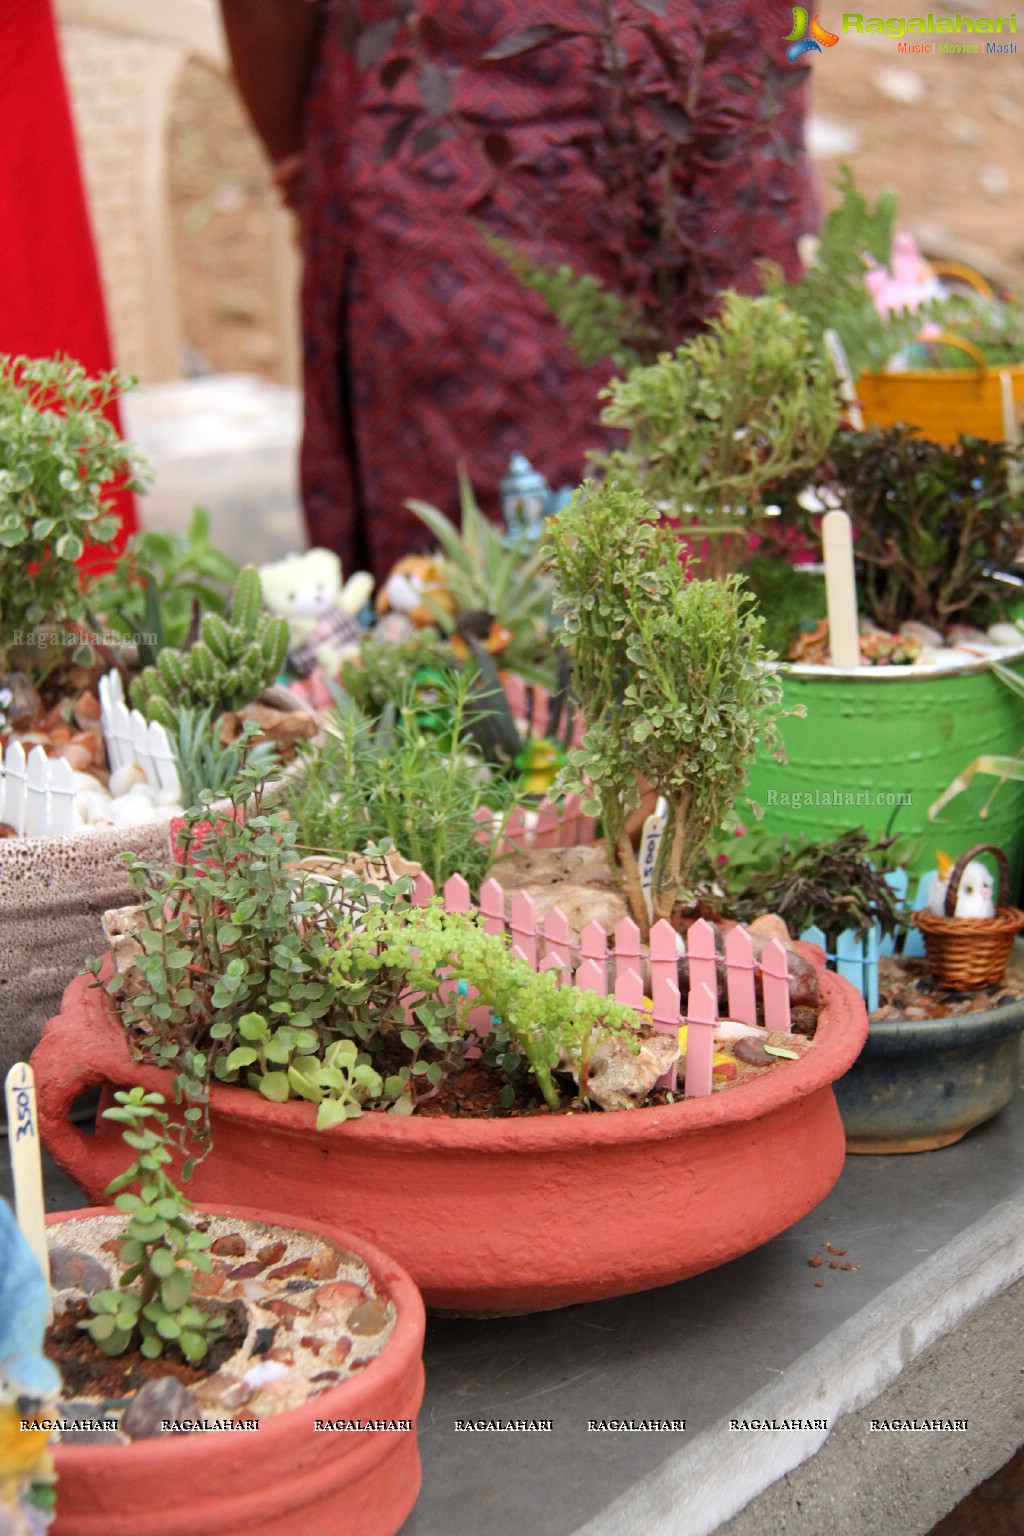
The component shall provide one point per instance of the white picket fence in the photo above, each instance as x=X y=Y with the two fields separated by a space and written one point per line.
x=131 y=738
x=616 y=968
x=37 y=793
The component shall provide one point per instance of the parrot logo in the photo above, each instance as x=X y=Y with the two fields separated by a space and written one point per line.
x=799 y=43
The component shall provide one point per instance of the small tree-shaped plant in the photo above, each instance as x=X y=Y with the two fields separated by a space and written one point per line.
x=59 y=456
x=713 y=424
x=670 y=675
x=161 y=1248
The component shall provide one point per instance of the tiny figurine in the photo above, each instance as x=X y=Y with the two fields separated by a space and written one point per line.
x=975 y=895
x=307 y=590
x=29 y=1383
x=525 y=501
x=414 y=591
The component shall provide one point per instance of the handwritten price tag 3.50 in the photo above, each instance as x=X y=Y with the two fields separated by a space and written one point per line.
x=23 y=1134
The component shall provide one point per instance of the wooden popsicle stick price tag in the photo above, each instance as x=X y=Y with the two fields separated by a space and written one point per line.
x=840 y=590
x=26 y=1166
x=650 y=842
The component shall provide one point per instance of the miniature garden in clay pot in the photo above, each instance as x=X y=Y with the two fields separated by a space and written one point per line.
x=943 y=1048
x=463 y=1098
x=297 y=1348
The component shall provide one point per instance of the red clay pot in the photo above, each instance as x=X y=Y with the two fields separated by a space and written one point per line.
x=285 y=1476
x=501 y=1216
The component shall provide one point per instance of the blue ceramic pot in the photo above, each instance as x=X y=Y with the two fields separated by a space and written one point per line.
x=922 y=1084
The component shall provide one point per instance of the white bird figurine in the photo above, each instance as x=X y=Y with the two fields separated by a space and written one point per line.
x=974 y=897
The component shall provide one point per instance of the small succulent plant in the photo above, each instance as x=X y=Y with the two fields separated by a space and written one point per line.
x=160 y=1248
x=231 y=663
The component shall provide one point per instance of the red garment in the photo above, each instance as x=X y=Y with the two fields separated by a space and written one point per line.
x=421 y=349
x=51 y=300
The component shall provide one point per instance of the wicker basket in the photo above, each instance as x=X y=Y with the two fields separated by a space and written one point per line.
x=968 y=953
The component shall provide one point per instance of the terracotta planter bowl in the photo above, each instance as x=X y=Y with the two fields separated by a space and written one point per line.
x=501 y=1216
x=283 y=1477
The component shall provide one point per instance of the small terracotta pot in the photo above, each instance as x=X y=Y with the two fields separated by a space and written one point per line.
x=494 y=1217
x=283 y=1477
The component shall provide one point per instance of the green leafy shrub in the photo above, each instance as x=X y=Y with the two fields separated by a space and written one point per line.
x=927 y=519
x=671 y=678
x=59 y=456
x=411 y=776
x=231 y=663
x=746 y=402
x=161 y=1249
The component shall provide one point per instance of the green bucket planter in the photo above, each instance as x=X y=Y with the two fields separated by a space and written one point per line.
x=878 y=745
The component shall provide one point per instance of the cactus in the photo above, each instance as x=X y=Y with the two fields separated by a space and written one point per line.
x=230 y=664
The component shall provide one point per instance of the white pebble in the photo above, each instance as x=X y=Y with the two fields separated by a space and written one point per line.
x=267 y=1370
x=1006 y=635
x=126 y=778
x=169 y=796
x=132 y=811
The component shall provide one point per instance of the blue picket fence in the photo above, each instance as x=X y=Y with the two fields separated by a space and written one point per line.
x=856 y=956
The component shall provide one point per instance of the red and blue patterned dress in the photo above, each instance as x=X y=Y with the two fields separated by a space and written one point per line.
x=422 y=351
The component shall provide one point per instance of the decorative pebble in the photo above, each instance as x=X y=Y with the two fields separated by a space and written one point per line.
x=232 y=1245
x=125 y=778
x=285 y=1271
x=71 y=1270
x=339 y=1352
x=271 y=1253
x=264 y=1373
x=164 y=1398
x=752 y=1052
x=340 y=1294
x=324 y=1264
x=247 y=1270
x=224 y=1390
x=262 y=1340
x=370 y=1318
x=1006 y=635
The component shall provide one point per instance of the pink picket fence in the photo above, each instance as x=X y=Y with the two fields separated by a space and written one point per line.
x=616 y=967
x=549 y=824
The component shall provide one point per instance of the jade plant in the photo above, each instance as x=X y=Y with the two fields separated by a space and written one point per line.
x=671 y=677
x=60 y=457
x=230 y=664
x=161 y=1249
x=713 y=424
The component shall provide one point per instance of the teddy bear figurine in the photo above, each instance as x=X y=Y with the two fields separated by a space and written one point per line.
x=307 y=590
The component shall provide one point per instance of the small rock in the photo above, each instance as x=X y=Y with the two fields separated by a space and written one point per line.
x=284 y=1355
x=915 y=1013
x=925 y=984
x=164 y=1398
x=285 y=1271
x=232 y=1245
x=921 y=634
x=326 y=1376
x=826 y=139
x=294 y=1286
x=271 y=1253
x=753 y=1053
x=248 y=1270
x=267 y=1371
x=339 y=1352
x=340 y=1295
x=210 y=1284
x=287 y=1311
x=1006 y=635
x=309 y=1342
x=325 y=1263
x=223 y=1390
x=71 y=1270
x=370 y=1318
x=262 y=1340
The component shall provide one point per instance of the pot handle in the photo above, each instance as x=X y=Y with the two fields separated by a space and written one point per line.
x=62 y=1073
